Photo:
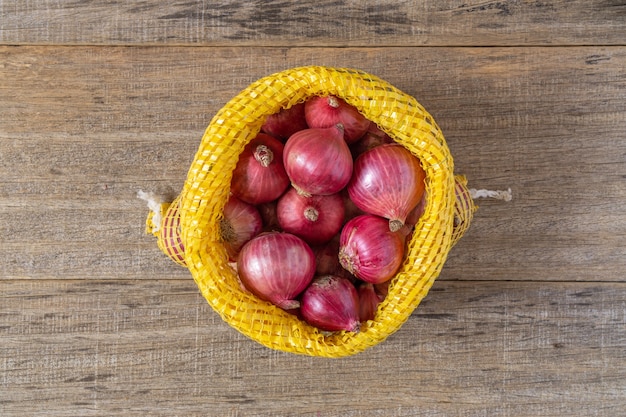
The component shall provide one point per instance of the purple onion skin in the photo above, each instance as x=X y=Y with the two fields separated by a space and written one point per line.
x=329 y=110
x=255 y=183
x=241 y=222
x=316 y=219
x=286 y=122
x=368 y=301
x=331 y=303
x=369 y=250
x=318 y=161
x=387 y=181
x=276 y=267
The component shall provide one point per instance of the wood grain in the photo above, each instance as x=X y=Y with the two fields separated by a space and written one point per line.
x=104 y=347
x=101 y=98
x=314 y=23
x=84 y=128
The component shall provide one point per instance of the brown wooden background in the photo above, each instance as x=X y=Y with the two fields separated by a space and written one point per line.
x=100 y=98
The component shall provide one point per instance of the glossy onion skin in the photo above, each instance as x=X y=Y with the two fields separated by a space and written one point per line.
x=331 y=303
x=387 y=181
x=276 y=267
x=293 y=219
x=319 y=112
x=318 y=161
x=369 y=250
x=254 y=183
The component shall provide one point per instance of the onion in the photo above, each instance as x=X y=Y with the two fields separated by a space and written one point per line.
x=276 y=267
x=315 y=219
x=387 y=181
x=327 y=111
x=171 y=234
x=286 y=122
x=369 y=250
x=241 y=222
x=372 y=138
x=368 y=301
x=260 y=176
x=331 y=303
x=382 y=289
x=318 y=161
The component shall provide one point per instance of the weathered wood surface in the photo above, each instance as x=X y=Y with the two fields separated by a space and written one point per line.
x=528 y=315
x=105 y=347
x=315 y=23
x=84 y=129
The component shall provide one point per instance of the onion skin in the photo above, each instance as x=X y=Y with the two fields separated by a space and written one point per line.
x=259 y=176
x=331 y=303
x=315 y=219
x=318 y=161
x=372 y=138
x=369 y=250
x=286 y=122
x=368 y=301
x=241 y=222
x=388 y=181
x=327 y=111
x=276 y=267
x=171 y=235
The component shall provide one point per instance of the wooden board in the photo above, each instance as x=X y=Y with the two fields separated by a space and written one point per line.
x=155 y=348
x=315 y=23
x=83 y=131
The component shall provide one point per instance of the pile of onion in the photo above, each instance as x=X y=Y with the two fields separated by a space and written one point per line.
x=322 y=204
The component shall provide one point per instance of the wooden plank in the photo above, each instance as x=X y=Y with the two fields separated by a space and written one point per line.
x=315 y=23
x=105 y=347
x=82 y=129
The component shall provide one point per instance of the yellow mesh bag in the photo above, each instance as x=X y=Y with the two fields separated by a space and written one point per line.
x=199 y=207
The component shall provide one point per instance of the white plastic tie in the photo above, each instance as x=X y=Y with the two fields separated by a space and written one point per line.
x=154 y=204
x=506 y=195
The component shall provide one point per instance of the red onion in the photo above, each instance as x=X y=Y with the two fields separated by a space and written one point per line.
x=171 y=234
x=372 y=138
x=286 y=122
x=260 y=176
x=368 y=301
x=315 y=219
x=382 y=289
x=412 y=218
x=331 y=303
x=327 y=111
x=318 y=161
x=276 y=267
x=388 y=181
x=369 y=250
x=241 y=222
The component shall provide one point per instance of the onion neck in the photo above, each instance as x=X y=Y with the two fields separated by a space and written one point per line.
x=395 y=225
x=263 y=155
x=333 y=102
x=227 y=231
x=345 y=261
